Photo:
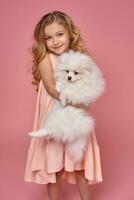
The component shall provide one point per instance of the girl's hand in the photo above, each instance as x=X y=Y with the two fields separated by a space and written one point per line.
x=81 y=106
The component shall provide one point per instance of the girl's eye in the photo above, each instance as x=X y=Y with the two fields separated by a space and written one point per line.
x=76 y=73
x=60 y=34
x=48 y=38
x=67 y=71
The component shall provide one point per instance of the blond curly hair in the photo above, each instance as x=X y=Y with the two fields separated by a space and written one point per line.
x=39 y=48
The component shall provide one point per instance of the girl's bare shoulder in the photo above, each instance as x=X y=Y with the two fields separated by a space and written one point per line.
x=46 y=71
x=45 y=64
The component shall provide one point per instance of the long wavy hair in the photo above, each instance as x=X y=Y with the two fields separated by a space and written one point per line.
x=39 y=48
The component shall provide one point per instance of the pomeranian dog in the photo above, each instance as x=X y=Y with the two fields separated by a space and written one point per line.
x=78 y=81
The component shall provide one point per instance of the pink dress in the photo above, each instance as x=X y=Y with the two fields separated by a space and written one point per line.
x=45 y=158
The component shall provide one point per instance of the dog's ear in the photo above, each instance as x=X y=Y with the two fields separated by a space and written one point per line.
x=87 y=70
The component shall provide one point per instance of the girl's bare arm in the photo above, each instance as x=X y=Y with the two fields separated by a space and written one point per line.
x=46 y=71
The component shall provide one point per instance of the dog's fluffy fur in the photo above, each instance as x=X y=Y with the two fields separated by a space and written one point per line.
x=78 y=81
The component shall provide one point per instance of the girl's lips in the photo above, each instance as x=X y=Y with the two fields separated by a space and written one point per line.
x=58 y=47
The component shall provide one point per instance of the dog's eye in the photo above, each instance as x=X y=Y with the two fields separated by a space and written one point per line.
x=67 y=71
x=76 y=73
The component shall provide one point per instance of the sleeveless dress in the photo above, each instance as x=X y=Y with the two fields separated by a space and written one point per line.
x=46 y=157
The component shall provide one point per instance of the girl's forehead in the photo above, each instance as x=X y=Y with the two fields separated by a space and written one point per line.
x=53 y=28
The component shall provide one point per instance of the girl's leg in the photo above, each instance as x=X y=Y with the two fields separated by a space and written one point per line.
x=82 y=185
x=53 y=189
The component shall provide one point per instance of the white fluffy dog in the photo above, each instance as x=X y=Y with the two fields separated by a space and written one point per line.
x=78 y=81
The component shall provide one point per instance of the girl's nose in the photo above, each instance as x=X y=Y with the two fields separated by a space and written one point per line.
x=55 y=42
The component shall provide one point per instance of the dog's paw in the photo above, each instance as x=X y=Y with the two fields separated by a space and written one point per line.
x=32 y=134
x=63 y=100
x=40 y=133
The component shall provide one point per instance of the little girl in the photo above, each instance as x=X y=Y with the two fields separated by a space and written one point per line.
x=47 y=160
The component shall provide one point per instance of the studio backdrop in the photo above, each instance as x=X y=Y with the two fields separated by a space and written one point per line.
x=108 y=29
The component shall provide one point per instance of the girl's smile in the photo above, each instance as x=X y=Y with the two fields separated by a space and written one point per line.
x=56 y=38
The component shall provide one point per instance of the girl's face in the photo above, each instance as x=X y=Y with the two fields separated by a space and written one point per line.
x=57 y=38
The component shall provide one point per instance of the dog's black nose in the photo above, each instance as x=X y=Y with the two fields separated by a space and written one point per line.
x=69 y=78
